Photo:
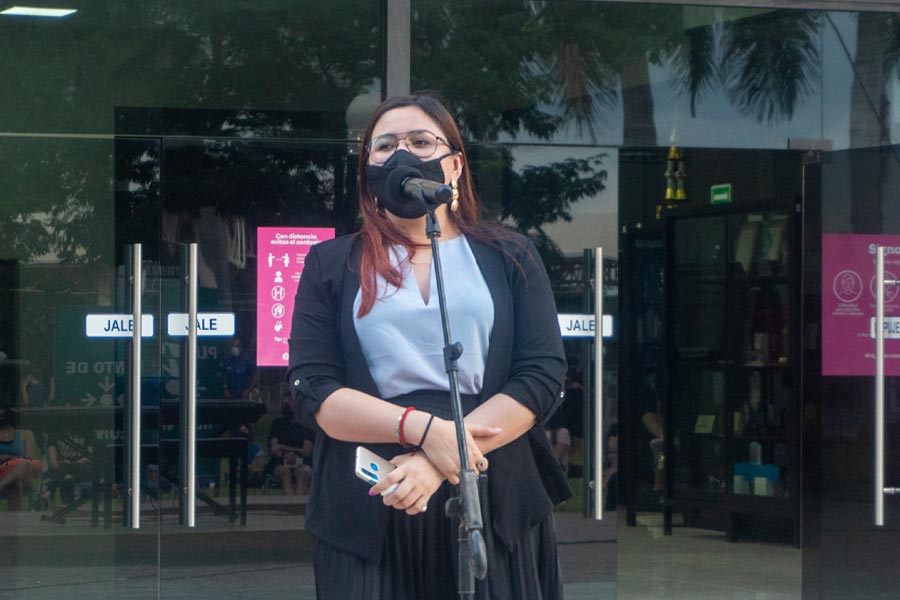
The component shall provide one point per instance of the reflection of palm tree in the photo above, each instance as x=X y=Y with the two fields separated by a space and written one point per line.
x=766 y=63
x=769 y=62
x=593 y=50
x=578 y=63
x=694 y=63
x=586 y=86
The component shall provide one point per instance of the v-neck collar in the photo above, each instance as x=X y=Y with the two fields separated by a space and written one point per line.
x=409 y=271
x=492 y=269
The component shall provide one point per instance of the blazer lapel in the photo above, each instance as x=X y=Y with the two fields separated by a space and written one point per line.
x=496 y=369
x=358 y=374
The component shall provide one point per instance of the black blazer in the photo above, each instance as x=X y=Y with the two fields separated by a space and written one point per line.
x=525 y=360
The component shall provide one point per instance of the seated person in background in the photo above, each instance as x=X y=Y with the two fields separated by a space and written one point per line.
x=69 y=463
x=566 y=422
x=654 y=423
x=290 y=450
x=611 y=468
x=241 y=375
x=256 y=458
x=18 y=465
x=560 y=438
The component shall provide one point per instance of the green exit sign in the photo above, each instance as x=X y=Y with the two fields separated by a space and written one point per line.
x=720 y=194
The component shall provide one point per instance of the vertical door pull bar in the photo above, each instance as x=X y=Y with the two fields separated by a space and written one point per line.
x=587 y=375
x=879 y=387
x=133 y=438
x=880 y=490
x=190 y=422
x=598 y=384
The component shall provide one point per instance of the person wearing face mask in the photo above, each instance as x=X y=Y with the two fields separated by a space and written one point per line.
x=367 y=368
x=239 y=372
x=290 y=451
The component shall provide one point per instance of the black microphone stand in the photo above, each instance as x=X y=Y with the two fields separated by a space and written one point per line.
x=472 y=555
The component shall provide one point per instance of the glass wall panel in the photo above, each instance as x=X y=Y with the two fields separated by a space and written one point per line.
x=162 y=125
x=850 y=192
x=67 y=386
x=678 y=99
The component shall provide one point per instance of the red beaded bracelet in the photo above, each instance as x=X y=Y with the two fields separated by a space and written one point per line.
x=400 y=423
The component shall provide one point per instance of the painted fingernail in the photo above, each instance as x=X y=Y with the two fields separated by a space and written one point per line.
x=371 y=492
x=389 y=490
x=424 y=508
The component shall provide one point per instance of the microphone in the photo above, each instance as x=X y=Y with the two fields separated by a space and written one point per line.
x=432 y=192
x=408 y=182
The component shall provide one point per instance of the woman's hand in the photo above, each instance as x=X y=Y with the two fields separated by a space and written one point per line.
x=410 y=485
x=442 y=450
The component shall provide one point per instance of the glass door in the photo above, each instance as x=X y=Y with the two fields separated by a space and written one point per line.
x=236 y=219
x=78 y=509
x=710 y=380
x=856 y=526
x=584 y=431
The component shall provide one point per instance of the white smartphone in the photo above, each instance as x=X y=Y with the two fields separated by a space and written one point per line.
x=370 y=467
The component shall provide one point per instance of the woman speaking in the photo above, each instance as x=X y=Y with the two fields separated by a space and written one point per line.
x=367 y=364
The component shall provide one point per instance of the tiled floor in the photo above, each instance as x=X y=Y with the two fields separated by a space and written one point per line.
x=694 y=564
x=600 y=560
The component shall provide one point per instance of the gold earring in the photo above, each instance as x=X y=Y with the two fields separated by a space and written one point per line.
x=454 y=197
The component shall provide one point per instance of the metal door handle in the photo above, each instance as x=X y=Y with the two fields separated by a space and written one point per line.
x=598 y=384
x=880 y=490
x=188 y=443
x=133 y=418
x=879 y=387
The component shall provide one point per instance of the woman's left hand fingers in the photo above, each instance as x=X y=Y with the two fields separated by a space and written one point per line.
x=413 y=503
x=398 y=496
x=408 y=497
x=419 y=505
x=477 y=460
x=392 y=478
x=420 y=480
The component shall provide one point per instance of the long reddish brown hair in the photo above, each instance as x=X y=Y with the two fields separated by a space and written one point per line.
x=379 y=234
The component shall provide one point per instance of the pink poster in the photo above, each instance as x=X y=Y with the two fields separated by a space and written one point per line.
x=848 y=304
x=281 y=254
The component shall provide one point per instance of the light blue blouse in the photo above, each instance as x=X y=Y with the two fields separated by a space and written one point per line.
x=401 y=336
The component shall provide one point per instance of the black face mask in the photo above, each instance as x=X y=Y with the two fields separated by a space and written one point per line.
x=390 y=196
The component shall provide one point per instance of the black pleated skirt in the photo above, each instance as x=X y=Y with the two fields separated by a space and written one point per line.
x=419 y=563
x=419 y=558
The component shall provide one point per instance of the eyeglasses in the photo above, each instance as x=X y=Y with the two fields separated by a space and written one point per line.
x=421 y=143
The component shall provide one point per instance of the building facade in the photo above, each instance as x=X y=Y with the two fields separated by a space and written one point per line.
x=734 y=161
